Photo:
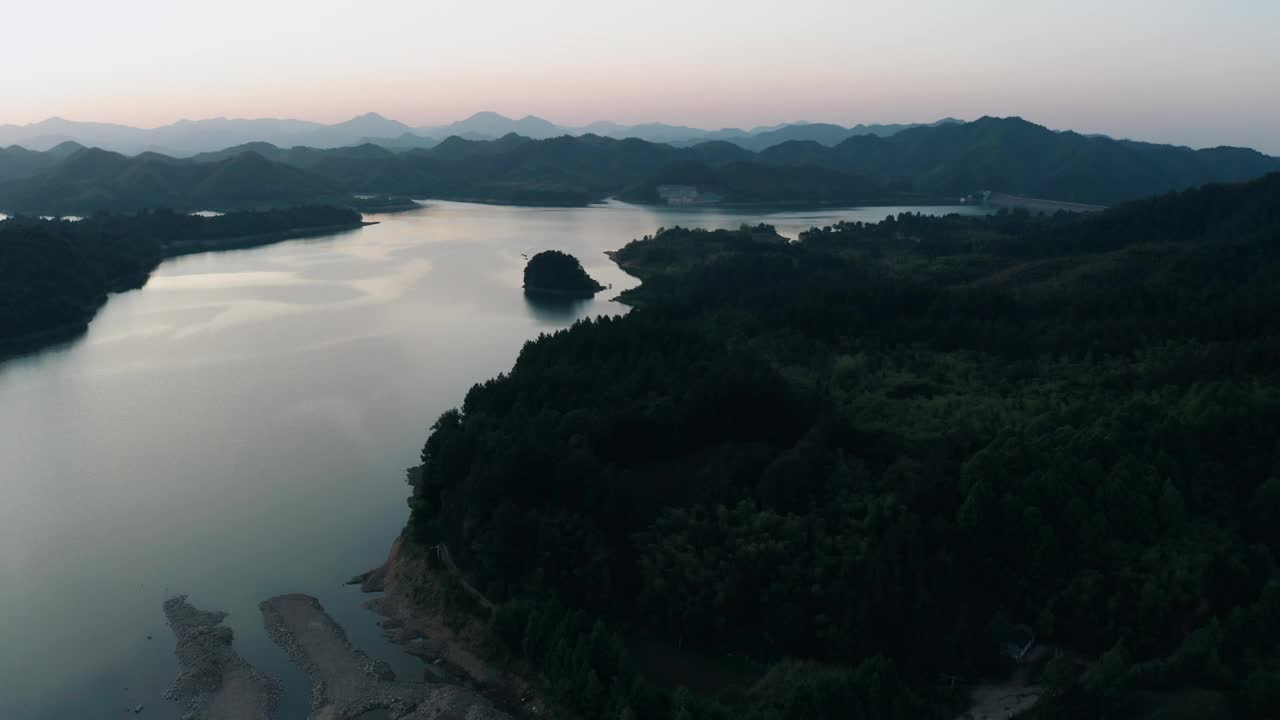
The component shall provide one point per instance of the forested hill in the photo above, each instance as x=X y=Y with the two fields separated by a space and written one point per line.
x=938 y=163
x=90 y=181
x=1014 y=156
x=862 y=462
x=55 y=274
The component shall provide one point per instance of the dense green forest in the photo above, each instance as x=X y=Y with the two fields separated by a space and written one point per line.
x=55 y=274
x=558 y=273
x=844 y=471
x=917 y=165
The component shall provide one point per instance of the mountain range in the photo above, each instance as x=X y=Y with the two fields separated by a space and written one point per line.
x=927 y=164
x=191 y=137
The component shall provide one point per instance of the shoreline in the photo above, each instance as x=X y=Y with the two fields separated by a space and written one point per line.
x=797 y=206
x=215 y=683
x=416 y=618
x=390 y=209
x=240 y=242
x=515 y=203
x=626 y=268
x=562 y=294
x=30 y=343
x=1045 y=206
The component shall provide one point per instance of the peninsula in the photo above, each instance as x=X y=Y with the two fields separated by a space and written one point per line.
x=56 y=274
x=834 y=477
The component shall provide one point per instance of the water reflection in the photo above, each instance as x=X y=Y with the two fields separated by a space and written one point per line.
x=68 y=218
x=553 y=309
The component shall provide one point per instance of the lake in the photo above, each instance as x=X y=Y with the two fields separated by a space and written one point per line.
x=240 y=427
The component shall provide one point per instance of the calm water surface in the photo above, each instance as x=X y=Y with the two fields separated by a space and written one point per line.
x=240 y=427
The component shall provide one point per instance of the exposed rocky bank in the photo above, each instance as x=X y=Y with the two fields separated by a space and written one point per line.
x=215 y=683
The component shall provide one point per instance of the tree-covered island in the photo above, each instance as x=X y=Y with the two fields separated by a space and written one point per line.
x=556 y=273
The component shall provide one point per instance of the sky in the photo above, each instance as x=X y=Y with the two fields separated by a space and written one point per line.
x=1193 y=72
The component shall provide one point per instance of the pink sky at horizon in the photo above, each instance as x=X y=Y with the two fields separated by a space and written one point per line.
x=1177 y=71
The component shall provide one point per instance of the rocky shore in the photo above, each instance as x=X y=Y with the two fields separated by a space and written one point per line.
x=345 y=681
x=417 y=617
x=214 y=682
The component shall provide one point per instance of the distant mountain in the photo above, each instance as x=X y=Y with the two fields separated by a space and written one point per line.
x=93 y=180
x=66 y=149
x=484 y=125
x=349 y=132
x=721 y=152
x=250 y=180
x=264 y=149
x=893 y=129
x=823 y=133
x=604 y=129
x=760 y=138
x=299 y=156
x=456 y=146
x=1018 y=157
x=936 y=163
x=405 y=141
x=50 y=133
x=181 y=138
x=953 y=159
x=18 y=162
x=754 y=183
x=191 y=137
x=186 y=137
x=660 y=132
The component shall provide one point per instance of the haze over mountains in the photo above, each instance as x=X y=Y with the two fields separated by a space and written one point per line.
x=190 y=137
x=923 y=164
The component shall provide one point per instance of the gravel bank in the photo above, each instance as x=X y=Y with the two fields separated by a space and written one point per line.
x=347 y=683
x=214 y=682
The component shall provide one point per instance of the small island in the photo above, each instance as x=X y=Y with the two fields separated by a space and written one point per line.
x=552 y=272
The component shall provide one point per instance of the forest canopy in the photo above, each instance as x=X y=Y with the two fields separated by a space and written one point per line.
x=857 y=461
